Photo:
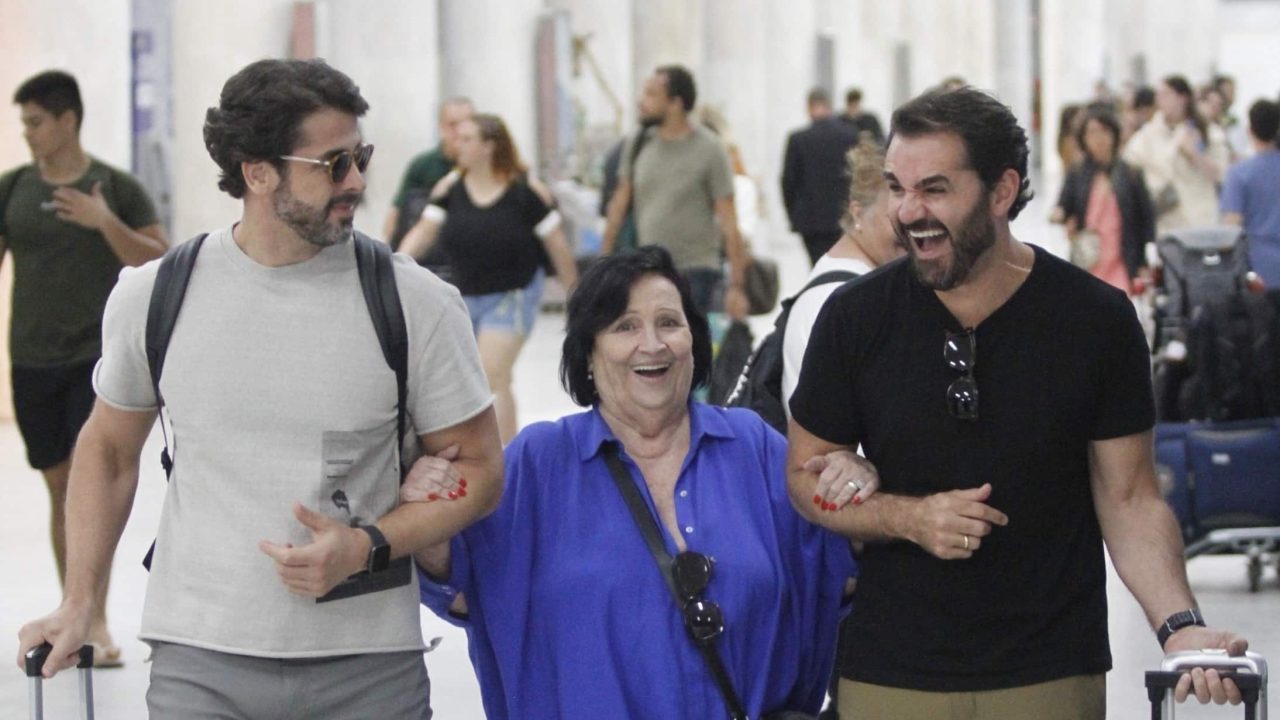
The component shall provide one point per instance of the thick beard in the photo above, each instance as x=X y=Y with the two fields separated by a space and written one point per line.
x=311 y=225
x=974 y=237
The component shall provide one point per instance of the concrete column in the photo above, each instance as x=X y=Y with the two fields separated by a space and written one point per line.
x=487 y=54
x=1014 y=77
x=1180 y=38
x=665 y=32
x=213 y=41
x=92 y=43
x=1072 y=59
x=730 y=81
x=790 y=47
x=389 y=48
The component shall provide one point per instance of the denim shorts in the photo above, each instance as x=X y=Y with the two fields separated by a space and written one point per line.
x=511 y=311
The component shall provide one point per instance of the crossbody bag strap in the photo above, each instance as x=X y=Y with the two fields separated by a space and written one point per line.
x=653 y=538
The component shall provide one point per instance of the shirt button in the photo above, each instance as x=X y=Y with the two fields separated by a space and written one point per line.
x=684 y=493
x=688 y=529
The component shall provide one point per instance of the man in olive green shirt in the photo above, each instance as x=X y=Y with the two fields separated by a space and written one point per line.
x=424 y=171
x=71 y=222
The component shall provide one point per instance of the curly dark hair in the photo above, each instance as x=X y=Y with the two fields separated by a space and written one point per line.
x=260 y=113
x=993 y=140
x=601 y=297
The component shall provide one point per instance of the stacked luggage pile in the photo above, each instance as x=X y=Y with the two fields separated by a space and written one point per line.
x=1217 y=379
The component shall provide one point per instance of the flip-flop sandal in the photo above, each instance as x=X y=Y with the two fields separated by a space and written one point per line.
x=106 y=656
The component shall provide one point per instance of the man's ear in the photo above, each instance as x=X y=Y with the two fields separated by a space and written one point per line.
x=1005 y=192
x=261 y=177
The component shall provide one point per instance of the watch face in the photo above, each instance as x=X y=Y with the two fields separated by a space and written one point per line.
x=379 y=558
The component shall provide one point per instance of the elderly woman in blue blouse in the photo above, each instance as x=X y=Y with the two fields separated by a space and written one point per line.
x=567 y=611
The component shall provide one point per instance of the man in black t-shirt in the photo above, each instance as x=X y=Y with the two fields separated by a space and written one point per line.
x=1005 y=398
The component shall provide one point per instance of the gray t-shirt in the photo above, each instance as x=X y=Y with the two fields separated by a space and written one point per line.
x=277 y=392
x=675 y=186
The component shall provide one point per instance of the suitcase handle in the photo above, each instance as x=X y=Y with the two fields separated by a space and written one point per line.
x=1160 y=682
x=37 y=655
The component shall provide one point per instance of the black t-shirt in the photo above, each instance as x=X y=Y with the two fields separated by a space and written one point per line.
x=492 y=248
x=1064 y=361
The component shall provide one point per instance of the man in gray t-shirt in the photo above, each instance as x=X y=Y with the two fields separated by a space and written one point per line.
x=285 y=481
x=679 y=187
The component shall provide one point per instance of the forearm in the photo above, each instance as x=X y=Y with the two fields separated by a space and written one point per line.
x=557 y=247
x=419 y=239
x=416 y=525
x=131 y=246
x=1145 y=545
x=613 y=219
x=389 y=225
x=100 y=496
x=736 y=252
x=882 y=517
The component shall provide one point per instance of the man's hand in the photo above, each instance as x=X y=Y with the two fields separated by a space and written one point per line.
x=950 y=525
x=1206 y=684
x=89 y=211
x=336 y=553
x=434 y=477
x=66 y=629
x=843 y=477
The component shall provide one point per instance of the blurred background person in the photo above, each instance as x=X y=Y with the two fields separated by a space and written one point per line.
x=421 y=177
x=1251 y=193
x=815 y=188
x=1105 y=196
x=72 y=222
x=1068 y=149
x=1182 y=158
x=499 y=228
x=1139 y=111
x=862 y=121
x=566 y=614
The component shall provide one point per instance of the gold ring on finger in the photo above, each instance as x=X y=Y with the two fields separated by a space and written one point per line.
x=966 y=542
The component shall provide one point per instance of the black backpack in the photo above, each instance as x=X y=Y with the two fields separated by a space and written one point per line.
x=760 y=384
x=377 y=281
x=1233 y=359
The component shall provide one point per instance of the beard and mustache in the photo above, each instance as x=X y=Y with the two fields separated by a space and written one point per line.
x=974 y=236
x=312 y=224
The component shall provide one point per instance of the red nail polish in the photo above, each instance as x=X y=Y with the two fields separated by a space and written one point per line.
x=857 y=500
x=462 y=482
x=453 y=495
x=828 y=506
x=817 y=500
x=462 y=492
x=432 y=496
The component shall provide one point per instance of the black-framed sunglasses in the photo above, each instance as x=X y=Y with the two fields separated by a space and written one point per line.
x=691 y=572
x=339 y=165
x=961 y=353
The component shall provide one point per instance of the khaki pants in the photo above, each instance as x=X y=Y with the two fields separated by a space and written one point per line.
x=1083 y=697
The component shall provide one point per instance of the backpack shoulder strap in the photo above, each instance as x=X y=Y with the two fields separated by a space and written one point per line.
x=162 y=315
x=830 y=276
x=378 y=282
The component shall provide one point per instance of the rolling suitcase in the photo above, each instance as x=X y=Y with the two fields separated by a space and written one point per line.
x=1249 y=672
x=35 y=682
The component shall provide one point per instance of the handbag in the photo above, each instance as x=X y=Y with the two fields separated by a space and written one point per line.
x=760 y=283
x=653 y=538
x=1086 y=246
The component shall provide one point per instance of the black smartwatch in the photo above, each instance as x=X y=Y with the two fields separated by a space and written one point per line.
x=1176 y=622
x=379 y=551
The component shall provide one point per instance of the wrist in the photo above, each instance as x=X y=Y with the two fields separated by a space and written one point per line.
x=359 y=545
x=1176 y=623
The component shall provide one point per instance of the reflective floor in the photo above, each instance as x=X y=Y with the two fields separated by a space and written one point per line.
x=28 y=584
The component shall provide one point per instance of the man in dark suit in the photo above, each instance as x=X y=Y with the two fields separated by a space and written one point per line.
x=814 y=186
x=861 y=122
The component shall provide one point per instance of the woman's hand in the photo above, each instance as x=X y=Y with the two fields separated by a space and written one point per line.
x=434 y=477
x=843 y=477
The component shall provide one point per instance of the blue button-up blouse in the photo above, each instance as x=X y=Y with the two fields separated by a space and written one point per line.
x=570 y=618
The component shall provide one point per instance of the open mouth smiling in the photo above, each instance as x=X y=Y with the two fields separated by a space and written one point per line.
x=652 y=371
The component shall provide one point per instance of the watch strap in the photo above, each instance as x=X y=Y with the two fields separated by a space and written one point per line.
x=1176 y=622
x=377 y=541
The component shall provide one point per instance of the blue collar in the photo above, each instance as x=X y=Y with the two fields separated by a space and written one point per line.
x=704 y=421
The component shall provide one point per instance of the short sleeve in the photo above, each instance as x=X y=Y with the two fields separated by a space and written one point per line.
x=413 y=178
x=133 y=204
x=7 y=183
x=818 y=403
x=447 y=385
x=1233 y=191
x=534 y=208
x=721 y=178
x=1125 y=402
x=122 y=378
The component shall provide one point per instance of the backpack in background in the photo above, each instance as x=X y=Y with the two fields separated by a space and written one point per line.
x=759 y=385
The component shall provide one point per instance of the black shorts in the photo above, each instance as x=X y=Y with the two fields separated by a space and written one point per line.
x=51 y=405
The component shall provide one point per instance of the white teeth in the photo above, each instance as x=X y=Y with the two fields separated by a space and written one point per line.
x=642 y=368
x=927 y=234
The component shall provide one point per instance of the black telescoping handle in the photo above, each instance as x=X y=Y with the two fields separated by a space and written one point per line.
x=1160 y=682
x=37 y=655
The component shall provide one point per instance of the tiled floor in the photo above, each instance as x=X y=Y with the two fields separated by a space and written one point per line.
x=28 y=586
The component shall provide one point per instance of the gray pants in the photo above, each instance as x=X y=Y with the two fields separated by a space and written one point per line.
x=195 y=684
